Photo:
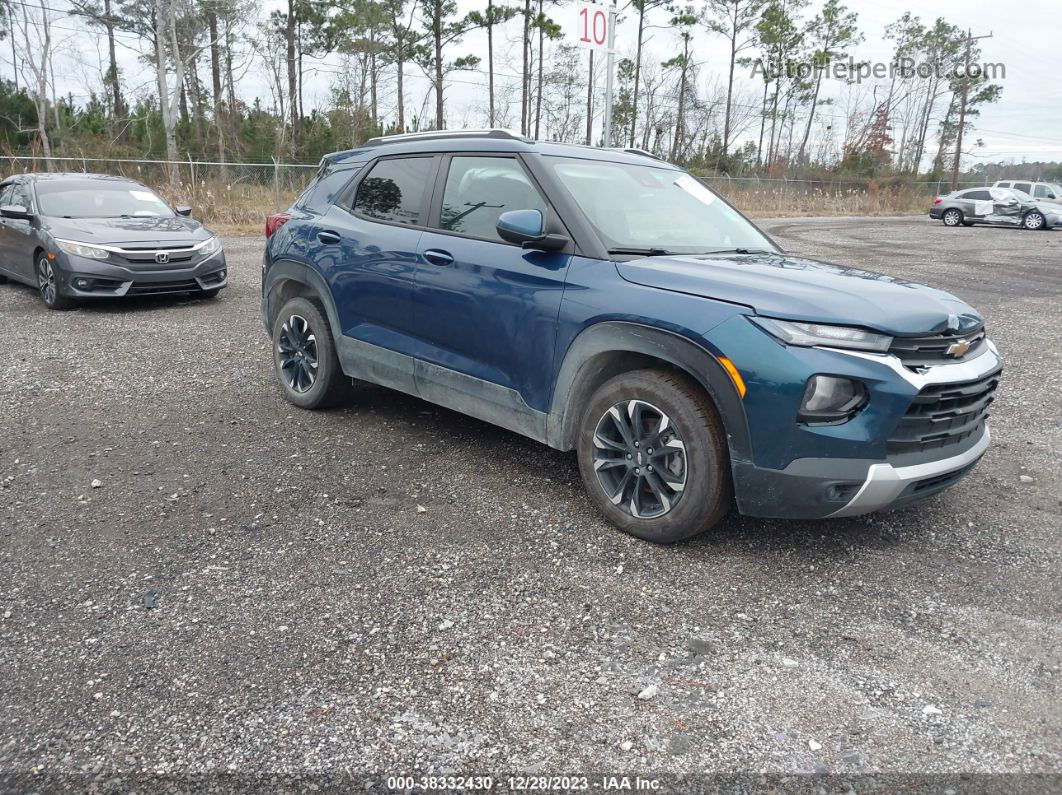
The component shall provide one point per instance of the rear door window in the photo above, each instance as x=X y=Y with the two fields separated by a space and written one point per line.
x=394 y=190
x=479 y=189
x=978 y=195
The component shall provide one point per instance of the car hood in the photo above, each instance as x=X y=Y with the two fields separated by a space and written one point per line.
x=792 y=288
x=127 y=230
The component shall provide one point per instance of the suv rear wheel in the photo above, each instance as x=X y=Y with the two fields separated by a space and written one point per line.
x=652 y=454
x=304 y=356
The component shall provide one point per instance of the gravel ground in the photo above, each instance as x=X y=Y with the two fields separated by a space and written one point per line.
x=198 y=578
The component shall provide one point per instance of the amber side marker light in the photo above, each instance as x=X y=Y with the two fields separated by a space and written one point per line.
x=735 y=376
x=50 y=255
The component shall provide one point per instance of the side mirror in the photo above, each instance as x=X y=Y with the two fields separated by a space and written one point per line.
x=182 y=209
x=1051 y=196
x=526 y=229
x=15 y=211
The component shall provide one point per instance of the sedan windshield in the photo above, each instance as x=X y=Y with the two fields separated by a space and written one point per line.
x=88 y=198
x=649 y=210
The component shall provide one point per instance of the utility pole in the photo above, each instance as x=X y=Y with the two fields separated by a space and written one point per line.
x=610 y=67
x=590 y=103
x=970 y=39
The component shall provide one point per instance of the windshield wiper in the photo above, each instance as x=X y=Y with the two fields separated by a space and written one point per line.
x=643 y=252
x=738 y=251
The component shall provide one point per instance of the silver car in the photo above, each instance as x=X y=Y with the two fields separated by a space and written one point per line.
x=996 y=207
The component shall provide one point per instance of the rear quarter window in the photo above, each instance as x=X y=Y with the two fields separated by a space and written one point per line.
x=326 y=188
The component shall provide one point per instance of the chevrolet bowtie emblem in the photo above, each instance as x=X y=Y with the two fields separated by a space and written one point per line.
x=958 y=349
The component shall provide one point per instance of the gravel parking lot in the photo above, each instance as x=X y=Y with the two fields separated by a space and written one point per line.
x=198 y=578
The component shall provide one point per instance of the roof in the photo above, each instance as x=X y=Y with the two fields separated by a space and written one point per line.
x=485 y=141
x=48 y=176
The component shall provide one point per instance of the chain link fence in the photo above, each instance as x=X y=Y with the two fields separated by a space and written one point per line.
x=229 y=194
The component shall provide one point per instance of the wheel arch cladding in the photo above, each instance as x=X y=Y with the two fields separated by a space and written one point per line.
x=607 y=349
x=286 y=280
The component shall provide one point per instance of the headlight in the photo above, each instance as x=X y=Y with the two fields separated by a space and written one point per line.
x=810 y=334
x=83 y=249
x=208 y=247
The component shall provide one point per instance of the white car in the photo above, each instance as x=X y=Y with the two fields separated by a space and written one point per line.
x=1040 y=191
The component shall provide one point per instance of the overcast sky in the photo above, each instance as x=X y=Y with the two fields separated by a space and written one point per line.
x=1024 y=125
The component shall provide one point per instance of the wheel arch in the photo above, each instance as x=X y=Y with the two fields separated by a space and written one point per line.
x=607 y=349
x=287 y=279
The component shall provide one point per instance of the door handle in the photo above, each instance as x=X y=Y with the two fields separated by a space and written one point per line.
x=437 y=257
x=328 y=236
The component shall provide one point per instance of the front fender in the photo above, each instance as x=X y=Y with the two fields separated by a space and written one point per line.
x=592 y=350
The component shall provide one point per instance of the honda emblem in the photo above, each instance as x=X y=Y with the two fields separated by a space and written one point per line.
x=162 y=257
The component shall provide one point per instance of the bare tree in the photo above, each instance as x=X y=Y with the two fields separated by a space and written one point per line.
x=33 y=43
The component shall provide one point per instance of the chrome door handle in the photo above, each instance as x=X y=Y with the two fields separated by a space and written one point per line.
x=438 y=257
x=328 y=236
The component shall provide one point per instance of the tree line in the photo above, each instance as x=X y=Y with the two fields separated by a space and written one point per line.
x=185 y=100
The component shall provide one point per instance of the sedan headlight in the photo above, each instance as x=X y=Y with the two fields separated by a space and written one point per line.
x=82 y=249
x=208 y=247
x=793 y=332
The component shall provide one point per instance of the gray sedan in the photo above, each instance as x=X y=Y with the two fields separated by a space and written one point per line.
x=77 y=237
x=995 y=207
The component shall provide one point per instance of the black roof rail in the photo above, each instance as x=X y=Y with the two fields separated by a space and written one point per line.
x=428 y=135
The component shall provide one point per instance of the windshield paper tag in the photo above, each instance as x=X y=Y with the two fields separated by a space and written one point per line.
x=144 y=196
x=695 y=189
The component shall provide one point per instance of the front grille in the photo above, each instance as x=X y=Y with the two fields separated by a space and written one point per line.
x=933 y=349
x=144 y=258
x=158 y=288
x=928 y=486
x=943 y=415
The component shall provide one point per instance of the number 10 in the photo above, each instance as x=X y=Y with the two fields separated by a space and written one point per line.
x=597 y=27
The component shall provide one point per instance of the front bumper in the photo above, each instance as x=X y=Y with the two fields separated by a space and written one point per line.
x=818 y=487
x=84 y=278
x=889 y=486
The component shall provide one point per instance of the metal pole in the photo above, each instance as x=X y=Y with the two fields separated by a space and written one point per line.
x=610 y=59
x=276 y=183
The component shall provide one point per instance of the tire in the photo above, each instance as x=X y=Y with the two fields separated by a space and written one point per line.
x=313 y=380
x=1033 y=220
x=952 y=217
x=48 y=285
x=622 y=489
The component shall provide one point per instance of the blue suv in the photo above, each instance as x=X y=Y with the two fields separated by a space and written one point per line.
x=608 y=302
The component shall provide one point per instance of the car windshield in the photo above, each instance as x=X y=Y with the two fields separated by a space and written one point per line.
x=644 y=209
x=99 y=199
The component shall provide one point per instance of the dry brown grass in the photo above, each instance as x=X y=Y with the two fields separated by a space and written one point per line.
x=775 y=201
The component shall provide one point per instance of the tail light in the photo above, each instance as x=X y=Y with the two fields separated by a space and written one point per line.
x=274 y=222
x=937 y=201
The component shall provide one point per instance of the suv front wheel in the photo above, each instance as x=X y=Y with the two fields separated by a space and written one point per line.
x=304 y=356
x=653 y=456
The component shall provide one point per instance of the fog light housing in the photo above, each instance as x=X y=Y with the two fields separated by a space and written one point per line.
x=830 y=399
x=81 y=283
